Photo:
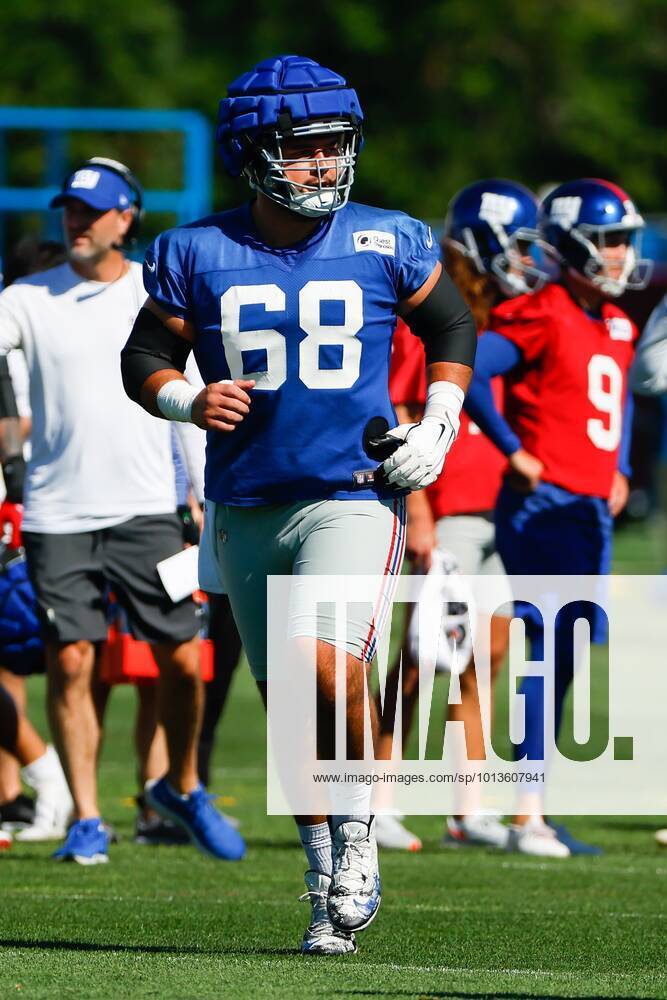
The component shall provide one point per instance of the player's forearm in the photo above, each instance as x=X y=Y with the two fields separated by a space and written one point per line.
x=163 y=386
x=481 y=407
x=496 y=355
x=152 y=365
x=624 y=466
x=443 y=371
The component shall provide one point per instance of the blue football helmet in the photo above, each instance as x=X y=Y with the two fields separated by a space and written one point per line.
x=494 y=224
x=21 y=647
x=585 y=221
x=291 y=98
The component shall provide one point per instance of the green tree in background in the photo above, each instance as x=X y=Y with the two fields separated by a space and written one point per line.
x=538 y=91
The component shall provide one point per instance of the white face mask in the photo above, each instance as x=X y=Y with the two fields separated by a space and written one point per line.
x=313 y=200
x=602 y=272
x=513 y=275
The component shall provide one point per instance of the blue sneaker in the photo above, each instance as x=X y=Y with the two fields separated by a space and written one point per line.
x=208 y=830
x=87 y=843
x=575 y=846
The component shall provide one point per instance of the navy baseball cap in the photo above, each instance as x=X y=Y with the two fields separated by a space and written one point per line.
x=98 y=187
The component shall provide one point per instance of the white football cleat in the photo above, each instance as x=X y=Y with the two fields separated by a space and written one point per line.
x=392 y=835
x=53 y=805
x=476 y=830
x=661 y=837
x=355 y=893
x=5 y=840
x=321 y=937
x=536 y=838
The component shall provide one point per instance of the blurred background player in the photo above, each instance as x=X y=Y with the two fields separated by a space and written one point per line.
x=222 y=631
x=21 y=649
x=40 y=769
x=490 y=231
x=648 y=377
x=281 y=491
x=100 y=501
x=567 y=464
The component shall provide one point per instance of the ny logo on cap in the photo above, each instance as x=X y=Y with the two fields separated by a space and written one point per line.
x=85 y=179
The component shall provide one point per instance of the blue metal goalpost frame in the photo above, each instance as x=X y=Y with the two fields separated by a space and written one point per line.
x=191 y=201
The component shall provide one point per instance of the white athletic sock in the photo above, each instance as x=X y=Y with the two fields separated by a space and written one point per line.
x=45 y=768
x=350 y=803
x=316 y=842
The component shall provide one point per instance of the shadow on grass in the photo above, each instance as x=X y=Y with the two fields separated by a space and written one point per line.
x=457 y=995
x=150 y=949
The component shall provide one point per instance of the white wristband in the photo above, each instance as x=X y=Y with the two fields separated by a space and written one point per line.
x=175 y=399
x=444 y=400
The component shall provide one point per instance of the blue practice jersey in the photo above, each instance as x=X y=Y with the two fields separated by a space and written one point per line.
x=312 y=324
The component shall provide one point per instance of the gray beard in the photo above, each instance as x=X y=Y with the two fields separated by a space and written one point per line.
x=90 y=256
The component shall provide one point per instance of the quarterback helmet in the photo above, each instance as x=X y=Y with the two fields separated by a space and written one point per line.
x=494 y=224
x=586 y=222
x=288 y=101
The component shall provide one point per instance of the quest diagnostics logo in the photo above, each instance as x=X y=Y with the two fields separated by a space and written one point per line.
x=375 y=240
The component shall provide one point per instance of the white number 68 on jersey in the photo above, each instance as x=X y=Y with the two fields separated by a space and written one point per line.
x=274 y=343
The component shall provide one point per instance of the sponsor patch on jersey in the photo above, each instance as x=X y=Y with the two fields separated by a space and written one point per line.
x=498 y=208
x=374 y=239
x=87 y=179
x=565 y=211
x=619 y=328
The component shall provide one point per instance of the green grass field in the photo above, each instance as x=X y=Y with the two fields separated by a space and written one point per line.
x=168 y=922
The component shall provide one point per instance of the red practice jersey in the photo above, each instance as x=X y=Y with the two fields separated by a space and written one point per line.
x=473 y=470
x=565 y=400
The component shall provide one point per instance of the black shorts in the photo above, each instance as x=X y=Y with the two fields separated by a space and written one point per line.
x=72 y=574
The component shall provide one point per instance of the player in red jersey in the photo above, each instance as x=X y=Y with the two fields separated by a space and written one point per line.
x=565 y=354
x=489 y=229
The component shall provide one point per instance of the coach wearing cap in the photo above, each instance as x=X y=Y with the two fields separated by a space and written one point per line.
x=100 y=499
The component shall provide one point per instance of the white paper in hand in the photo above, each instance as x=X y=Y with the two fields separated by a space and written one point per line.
x=179 y=573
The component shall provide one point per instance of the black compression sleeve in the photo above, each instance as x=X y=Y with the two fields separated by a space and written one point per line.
x=445 y=324
x=151 y=348
x=7 y=397
x=13 y=471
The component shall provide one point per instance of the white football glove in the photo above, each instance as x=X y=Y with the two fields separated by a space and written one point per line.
x=419 y=460
x=440 y=629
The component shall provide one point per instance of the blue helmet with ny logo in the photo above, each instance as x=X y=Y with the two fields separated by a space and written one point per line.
x=291 y=104
x=494 y=224
x=595 y=229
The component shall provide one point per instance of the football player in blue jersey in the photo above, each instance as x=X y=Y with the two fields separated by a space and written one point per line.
x=289 y=303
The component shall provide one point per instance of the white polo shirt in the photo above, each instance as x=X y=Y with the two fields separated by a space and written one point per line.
x=98 y=459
